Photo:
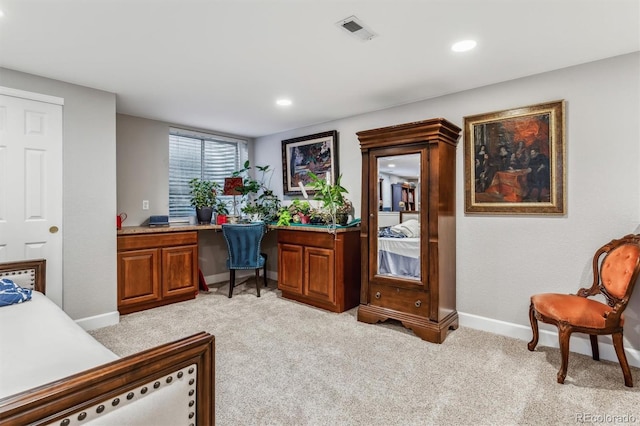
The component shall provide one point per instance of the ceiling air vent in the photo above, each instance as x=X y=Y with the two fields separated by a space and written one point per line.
x=356 y=28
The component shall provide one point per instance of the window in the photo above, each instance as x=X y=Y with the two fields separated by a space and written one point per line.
x=199 y=155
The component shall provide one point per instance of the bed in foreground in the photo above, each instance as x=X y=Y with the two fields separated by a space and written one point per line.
x=53 y=372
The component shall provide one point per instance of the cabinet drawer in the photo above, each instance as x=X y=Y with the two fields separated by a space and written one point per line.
x=399 y=299
x=135 y=242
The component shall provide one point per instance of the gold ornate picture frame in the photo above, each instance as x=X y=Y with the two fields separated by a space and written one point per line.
x=514 y=161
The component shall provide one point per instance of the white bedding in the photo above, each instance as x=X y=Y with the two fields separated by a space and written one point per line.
x=39 y=344
x=399 y=256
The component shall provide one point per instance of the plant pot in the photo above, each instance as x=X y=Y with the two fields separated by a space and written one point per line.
x=317 y=221
x=342 y=218
x=204 y=215
x=304 y=218
x=221 y=218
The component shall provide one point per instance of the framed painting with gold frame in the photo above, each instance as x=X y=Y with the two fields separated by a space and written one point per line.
x=514 y=161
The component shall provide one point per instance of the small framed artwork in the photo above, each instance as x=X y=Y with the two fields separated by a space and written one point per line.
x=316 y=153
x=514 y=161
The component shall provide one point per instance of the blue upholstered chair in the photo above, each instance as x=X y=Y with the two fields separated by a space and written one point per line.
x=243 y=242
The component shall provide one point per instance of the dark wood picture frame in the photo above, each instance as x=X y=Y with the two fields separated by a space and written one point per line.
x=515 y=161
x=317 y=153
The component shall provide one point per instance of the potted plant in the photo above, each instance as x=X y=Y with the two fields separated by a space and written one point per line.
x=204 y=197
x=260 y=201
x=222 y=211
x=332 y=198
x=300 y=211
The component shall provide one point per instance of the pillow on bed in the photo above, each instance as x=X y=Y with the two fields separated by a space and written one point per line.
x=410 y=228
x=11 y=293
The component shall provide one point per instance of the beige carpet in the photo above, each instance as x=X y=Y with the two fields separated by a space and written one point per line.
x=279 y=362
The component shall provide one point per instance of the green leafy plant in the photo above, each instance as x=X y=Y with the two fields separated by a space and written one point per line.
x=258 y=199
x=204 y=193
x=284 y=217
x=221 y=207
x=331 y=196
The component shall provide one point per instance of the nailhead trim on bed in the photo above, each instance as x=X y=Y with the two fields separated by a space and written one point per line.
x=25 y=278
x=105 y=407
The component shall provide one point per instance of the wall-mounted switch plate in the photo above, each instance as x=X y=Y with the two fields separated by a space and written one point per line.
x=145 y=204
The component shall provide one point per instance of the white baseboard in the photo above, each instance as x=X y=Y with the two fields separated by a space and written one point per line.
x=99 y=321
x=578 y=344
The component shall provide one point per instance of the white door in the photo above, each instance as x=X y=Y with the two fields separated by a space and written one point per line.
x=31 y=182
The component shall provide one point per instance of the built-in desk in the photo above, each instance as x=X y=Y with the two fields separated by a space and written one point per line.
x=159 y=265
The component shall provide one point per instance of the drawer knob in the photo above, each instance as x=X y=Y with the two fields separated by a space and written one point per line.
x=418 y=303
x=377 y=295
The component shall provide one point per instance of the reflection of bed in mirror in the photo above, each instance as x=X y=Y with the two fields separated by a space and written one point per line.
x=399 y=248
x=399 y=257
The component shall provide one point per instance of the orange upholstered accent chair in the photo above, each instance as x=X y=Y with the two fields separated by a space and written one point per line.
x=614 y=277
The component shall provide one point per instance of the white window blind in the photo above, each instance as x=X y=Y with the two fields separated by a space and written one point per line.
x=199 y=155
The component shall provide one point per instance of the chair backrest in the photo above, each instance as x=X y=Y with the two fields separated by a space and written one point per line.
x=619 y=269
x=243 y=242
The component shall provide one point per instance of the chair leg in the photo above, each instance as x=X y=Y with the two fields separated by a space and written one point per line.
x=617 y=344
x=594 y=347
x=232 y=281
x=564 y=334
x=264 y=274
x=264 y=269
x=258 y=281
x=534 y=327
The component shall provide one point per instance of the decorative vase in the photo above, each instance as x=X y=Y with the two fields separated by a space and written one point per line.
x=204 y=215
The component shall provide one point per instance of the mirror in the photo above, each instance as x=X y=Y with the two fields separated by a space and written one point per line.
x=398 y=218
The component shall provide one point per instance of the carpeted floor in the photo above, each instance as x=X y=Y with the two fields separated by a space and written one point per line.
x=279 y=362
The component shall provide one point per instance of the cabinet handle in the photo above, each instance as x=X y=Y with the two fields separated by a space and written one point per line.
x=377 y=295
x=418 y=303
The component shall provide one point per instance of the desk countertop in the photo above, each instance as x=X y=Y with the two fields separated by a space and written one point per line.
x=134 y=230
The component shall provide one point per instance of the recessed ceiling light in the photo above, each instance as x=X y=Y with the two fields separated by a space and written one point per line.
x=283 y=102
x=391 y=165
x=463 y=46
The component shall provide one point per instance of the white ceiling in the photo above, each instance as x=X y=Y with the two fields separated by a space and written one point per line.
x=221 y=64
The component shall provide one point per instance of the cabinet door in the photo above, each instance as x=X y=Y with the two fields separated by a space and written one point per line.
x=290 y=268
x=319 y=273
x=179 y=270
x=138 y=276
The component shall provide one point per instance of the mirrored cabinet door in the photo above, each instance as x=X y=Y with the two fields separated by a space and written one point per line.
x=396 y=236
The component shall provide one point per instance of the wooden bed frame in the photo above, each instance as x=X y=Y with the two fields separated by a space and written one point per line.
x=72 y=397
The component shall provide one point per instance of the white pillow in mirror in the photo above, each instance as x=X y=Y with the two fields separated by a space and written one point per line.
x=410 y=228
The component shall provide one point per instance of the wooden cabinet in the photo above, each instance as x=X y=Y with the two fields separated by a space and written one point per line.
x=422 y=296
x=156 y=269
x=319 y=268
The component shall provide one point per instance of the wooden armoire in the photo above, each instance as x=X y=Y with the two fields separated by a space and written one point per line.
x=424 y=302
